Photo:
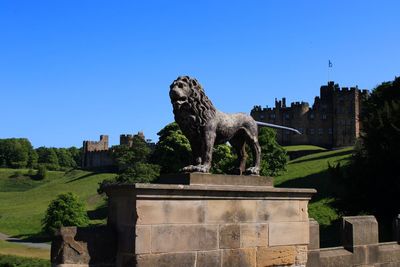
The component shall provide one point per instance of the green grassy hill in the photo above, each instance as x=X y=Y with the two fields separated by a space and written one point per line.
x=23 y=201
x=311 y=171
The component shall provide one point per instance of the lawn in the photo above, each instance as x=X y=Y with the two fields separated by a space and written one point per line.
x=303 y=147
x=311 y=171
x=23 y=201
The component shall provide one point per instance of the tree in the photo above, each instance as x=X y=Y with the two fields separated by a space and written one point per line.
x=17 y=153
x=273 y=156
x=373 y=180
x=65 y=158
x=172 y=152
x=41 y=173
x=76 y=154
x=224 y=161
x=66 y=210
x=126 y=156
x=48 y=156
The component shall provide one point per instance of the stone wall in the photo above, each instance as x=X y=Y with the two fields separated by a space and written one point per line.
x=332 y=120
x=361 y=246
x=200 y=225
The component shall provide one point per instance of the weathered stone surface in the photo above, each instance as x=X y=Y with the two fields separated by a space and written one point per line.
x=215 y=179
x=278 y=211
x=301 y=255
x=166 y=260
x=170 y=211
x=177 y=238
x=125 y=211
x=209 y=258
x=231 y=211
x=336 y=258
x=288 y=233
x=365 y=254
x=229 y=236
x=303 y=209
x=359 y=230
x=143 y=239
x=313 y=259
x=253 y=235
x=73 y=245
x=126 y=235
x=389 y=252
x=276 y=256
x=243 y=257
x=314 y=235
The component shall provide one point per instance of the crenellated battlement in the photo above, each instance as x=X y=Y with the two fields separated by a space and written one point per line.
x=360 y=245
x=331 y=121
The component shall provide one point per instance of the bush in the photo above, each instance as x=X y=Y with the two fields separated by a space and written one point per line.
x=12 y=261
x=66 y=210
x=41 y=172
x=16 y=174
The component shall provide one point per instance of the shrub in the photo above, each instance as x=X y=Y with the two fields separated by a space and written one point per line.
x=66 y=210
x=16 y=174
x=41 y=172
x=12 y=261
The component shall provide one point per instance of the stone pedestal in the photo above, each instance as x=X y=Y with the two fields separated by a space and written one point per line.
x=209 y=222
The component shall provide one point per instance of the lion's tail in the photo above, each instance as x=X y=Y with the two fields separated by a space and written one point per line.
x=270 y=125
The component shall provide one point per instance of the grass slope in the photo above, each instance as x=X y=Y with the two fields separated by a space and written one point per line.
x=311 y=171
x=23 y=201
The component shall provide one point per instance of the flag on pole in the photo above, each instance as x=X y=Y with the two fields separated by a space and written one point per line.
x=330 y=65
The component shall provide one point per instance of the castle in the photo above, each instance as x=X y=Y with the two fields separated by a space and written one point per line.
x=97 y=154
x=332 y=121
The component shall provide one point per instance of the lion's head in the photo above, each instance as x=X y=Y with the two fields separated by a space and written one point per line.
x=192 y=108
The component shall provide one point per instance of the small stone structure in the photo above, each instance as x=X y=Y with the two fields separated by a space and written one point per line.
x=361 y=246
x=97 y=154
x=332 y=121
x=205 y=221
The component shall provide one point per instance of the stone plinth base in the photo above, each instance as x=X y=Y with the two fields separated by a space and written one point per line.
x=197 y=178
x=209 y=224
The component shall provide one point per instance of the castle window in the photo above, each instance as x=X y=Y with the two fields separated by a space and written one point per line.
x=312 y=131
x=301 y=130
x=287 y=132
x=320 y=131
x=287 y=116
x=312 y=116
x=272 y=116
x=324 y=116
x=261 y=116
x=330 y=131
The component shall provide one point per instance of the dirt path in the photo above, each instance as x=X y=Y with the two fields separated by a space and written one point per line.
x=21 y=242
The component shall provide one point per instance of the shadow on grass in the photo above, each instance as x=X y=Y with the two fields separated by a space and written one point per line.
x=39 y=237
x=82 y=177
x=338 y=153
x=100 y=213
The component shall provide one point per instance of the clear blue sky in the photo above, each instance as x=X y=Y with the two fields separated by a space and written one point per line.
x=72 y=70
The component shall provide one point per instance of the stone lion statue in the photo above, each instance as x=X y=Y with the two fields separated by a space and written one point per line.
x=205 y=127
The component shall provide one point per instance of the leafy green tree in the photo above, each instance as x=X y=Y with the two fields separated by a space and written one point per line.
x=16 y=153
x=132 y=164
x=48 y=156
x=126 y=156
x=76 y=154
x=373 y=180
x=172 y=152
x=66 y=210
x=65 y=158
x=273 y=156
x=224 y=161
x=41 y=172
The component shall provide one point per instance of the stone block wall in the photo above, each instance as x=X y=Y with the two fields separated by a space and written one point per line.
x=203 y=225
x=361 y=246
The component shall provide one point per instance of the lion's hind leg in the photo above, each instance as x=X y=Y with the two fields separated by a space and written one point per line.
x=252 y=140
x=239 y=144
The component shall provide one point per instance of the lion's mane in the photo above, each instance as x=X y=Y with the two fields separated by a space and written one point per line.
x=199 y=109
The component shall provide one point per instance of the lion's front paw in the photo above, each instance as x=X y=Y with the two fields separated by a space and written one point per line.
x=196 y=168
x=252 y=171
